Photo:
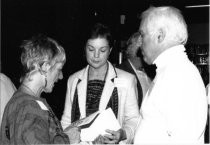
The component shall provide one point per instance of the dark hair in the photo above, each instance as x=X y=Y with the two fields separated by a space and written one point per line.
x=101 y=31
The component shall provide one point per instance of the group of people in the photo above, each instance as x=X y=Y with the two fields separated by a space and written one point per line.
x=171 y=108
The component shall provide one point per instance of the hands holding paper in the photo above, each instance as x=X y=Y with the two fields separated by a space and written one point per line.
x=114 y=137
x=73 y=133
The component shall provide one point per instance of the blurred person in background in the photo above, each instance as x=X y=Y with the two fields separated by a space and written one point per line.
x=133 y=64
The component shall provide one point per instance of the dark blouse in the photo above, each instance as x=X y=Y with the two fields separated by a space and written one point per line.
x=24 y=122
x=94 y=92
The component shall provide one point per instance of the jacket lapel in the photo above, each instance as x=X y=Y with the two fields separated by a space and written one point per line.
x=106 y=94
x=82 y=89
x=108 y=88
x=129 y=68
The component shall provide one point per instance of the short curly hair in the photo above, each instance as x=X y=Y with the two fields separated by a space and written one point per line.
x=39 y=50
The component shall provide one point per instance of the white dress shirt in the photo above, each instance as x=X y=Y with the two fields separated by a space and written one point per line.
x=175 y=107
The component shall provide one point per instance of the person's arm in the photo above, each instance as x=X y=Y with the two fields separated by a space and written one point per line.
x=73 y=133
x=7 y=89
x=131 y=114
x=186 y=111
x=34 y=126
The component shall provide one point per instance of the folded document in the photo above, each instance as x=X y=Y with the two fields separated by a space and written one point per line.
x=96 y=124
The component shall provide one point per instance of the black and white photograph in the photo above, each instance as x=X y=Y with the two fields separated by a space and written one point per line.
x=66 y=62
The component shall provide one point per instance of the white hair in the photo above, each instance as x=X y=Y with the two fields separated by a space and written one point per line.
x=168 y=18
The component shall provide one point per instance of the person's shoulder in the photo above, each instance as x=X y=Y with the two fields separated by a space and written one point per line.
x=4 y=78
x=23 y=101
x=124 y=74
x=21 y=97
x=77 y=73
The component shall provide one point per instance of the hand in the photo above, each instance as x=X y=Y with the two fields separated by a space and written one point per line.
x=73 y=133
x=99 y=140
x=114 y=136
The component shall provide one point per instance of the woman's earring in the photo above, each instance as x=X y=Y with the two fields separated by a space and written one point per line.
x=45 y=81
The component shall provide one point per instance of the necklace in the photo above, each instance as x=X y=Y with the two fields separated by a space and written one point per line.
x=28 y=90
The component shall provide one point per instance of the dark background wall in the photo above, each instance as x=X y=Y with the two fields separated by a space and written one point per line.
x=68 y=20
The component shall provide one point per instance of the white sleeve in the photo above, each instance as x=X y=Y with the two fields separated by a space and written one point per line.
x=186 y=110
x=131 y=111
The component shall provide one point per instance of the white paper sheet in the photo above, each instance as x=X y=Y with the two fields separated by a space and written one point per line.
x=105 y=120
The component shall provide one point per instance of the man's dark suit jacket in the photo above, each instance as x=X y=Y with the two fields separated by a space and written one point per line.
x=126 y=66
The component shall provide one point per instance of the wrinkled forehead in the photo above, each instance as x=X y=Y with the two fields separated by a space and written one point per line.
x=59 y=58
x=143 y=25
x=58 y=64
x=146 y=27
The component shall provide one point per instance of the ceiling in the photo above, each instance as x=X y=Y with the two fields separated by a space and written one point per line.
x=31 y=8
x=69 y=16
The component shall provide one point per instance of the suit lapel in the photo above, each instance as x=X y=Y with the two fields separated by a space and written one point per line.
x=106 y=94
x=129 y=68
x=82 y=92
x=139 y=87
x=108 y=88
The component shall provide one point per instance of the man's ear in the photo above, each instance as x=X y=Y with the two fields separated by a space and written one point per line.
x=161 y=34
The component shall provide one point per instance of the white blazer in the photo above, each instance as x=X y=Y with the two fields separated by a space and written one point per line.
x=128 y=112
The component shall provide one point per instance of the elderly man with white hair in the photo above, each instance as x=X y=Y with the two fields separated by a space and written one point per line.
x=175 y=107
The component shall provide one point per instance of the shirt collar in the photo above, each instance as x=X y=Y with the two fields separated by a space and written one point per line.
x=169 y=55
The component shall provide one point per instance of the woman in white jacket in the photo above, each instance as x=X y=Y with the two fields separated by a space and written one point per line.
x=100 y=85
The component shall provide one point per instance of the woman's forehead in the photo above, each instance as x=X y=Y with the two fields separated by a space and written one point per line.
x=97 y=42
x=59 y=64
